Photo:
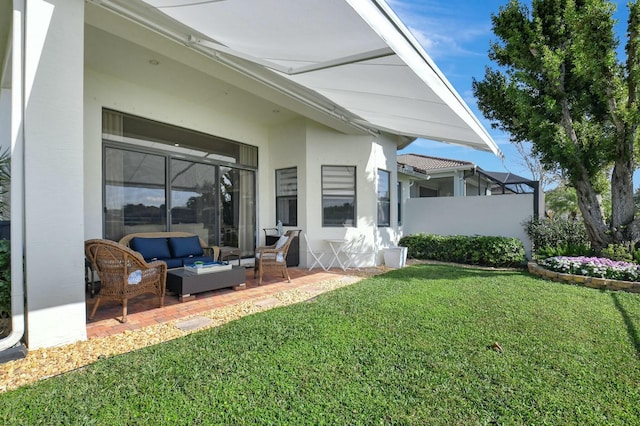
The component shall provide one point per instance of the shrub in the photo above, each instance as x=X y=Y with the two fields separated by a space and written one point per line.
x=620 y=252
x=628 y=252
x=474 y=250
x=5 y=286
x=563 y=250
x=557 y=237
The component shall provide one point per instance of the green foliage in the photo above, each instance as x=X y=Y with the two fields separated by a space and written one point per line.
x=5 y=270
x=474 y=250
x=547 y=54
x=5 y=245
x=623 y=252
x=5 y=179
x=562 y=202
x=560 y=85
x=410 y=347
x=557 y=237
x=563 y=250
x=5 y=286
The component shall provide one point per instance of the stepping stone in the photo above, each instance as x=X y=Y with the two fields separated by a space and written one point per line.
x=194 y=323
x=267 y=303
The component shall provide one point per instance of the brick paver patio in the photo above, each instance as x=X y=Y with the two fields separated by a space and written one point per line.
x=143 y=310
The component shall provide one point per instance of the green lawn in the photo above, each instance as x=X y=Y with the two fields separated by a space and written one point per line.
x=408 y=347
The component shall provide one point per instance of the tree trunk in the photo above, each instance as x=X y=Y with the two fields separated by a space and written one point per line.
x=622 y=205
x=591 y=210
x=623 y=226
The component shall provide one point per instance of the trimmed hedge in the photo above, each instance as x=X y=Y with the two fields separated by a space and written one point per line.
x=473 y=250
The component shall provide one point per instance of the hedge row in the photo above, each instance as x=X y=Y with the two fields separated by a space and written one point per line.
x=473 y=250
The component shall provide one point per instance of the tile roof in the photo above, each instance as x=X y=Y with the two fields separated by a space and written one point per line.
x=424 y=163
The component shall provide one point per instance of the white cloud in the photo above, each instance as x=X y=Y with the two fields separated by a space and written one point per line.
x=441 y=30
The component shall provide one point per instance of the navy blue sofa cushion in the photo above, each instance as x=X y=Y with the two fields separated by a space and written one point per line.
x=172 y=262
x=151 y=248
x=185 y=246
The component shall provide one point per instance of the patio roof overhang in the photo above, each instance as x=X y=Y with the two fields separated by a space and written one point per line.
x=353 y=59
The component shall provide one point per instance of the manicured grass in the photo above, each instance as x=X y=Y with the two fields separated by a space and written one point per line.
x=408 y=347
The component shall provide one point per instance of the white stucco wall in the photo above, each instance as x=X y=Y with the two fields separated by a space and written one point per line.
x=287 y=148
x=105 y=91
x=308 y=146
x=367 y=154
x=53 y=173
x=498 y=215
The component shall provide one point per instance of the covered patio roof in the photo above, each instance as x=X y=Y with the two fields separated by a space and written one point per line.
x=352 y=59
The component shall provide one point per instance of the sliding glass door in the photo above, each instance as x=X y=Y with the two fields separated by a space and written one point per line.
x=135 y=193
x=237 y=204
x=213 y=201
x=193 y=199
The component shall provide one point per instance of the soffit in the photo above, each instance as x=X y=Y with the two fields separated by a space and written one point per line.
x=354 y=58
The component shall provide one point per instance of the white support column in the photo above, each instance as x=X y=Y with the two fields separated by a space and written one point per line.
x=11 y=137
x=458 y=184
x=53 y=172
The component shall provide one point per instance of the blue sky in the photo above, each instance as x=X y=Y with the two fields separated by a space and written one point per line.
x=456 y=34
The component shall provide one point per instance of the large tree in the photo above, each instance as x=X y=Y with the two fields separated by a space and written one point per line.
x=560 y=84
x=546 y=177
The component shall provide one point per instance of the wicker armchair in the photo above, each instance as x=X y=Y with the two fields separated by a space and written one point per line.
x=273 y=257
x=123 y=273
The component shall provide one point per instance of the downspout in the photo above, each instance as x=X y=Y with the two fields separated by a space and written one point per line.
x=11 y=346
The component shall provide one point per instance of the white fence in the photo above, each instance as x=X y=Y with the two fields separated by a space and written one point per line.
x=497 y=215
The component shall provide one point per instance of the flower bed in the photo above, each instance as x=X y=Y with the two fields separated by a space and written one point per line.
x=593 y=267
x=592 y=272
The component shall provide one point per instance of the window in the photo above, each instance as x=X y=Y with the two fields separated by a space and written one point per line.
x=338 y=195
x=287 y=196
x=427 y=192
x=384 y=198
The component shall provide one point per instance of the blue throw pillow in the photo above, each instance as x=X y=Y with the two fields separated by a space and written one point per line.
x=151 y=248
x=185 y=246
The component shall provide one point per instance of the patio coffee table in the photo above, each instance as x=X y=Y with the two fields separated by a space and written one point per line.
x=186 y=283
x=227 y=252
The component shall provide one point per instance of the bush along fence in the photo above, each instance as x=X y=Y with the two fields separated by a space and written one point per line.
x=577 y=271
x=473 y=250
x=5 y=288
x=557 y=237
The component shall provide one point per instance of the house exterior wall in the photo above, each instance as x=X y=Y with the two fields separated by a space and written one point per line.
x=105 y=91
x=493 y=216
x=367 y=154
x=287 y=148
x=63 y=157
x=53 y=173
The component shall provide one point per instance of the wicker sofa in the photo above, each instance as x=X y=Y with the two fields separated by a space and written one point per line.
x=176 y=249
